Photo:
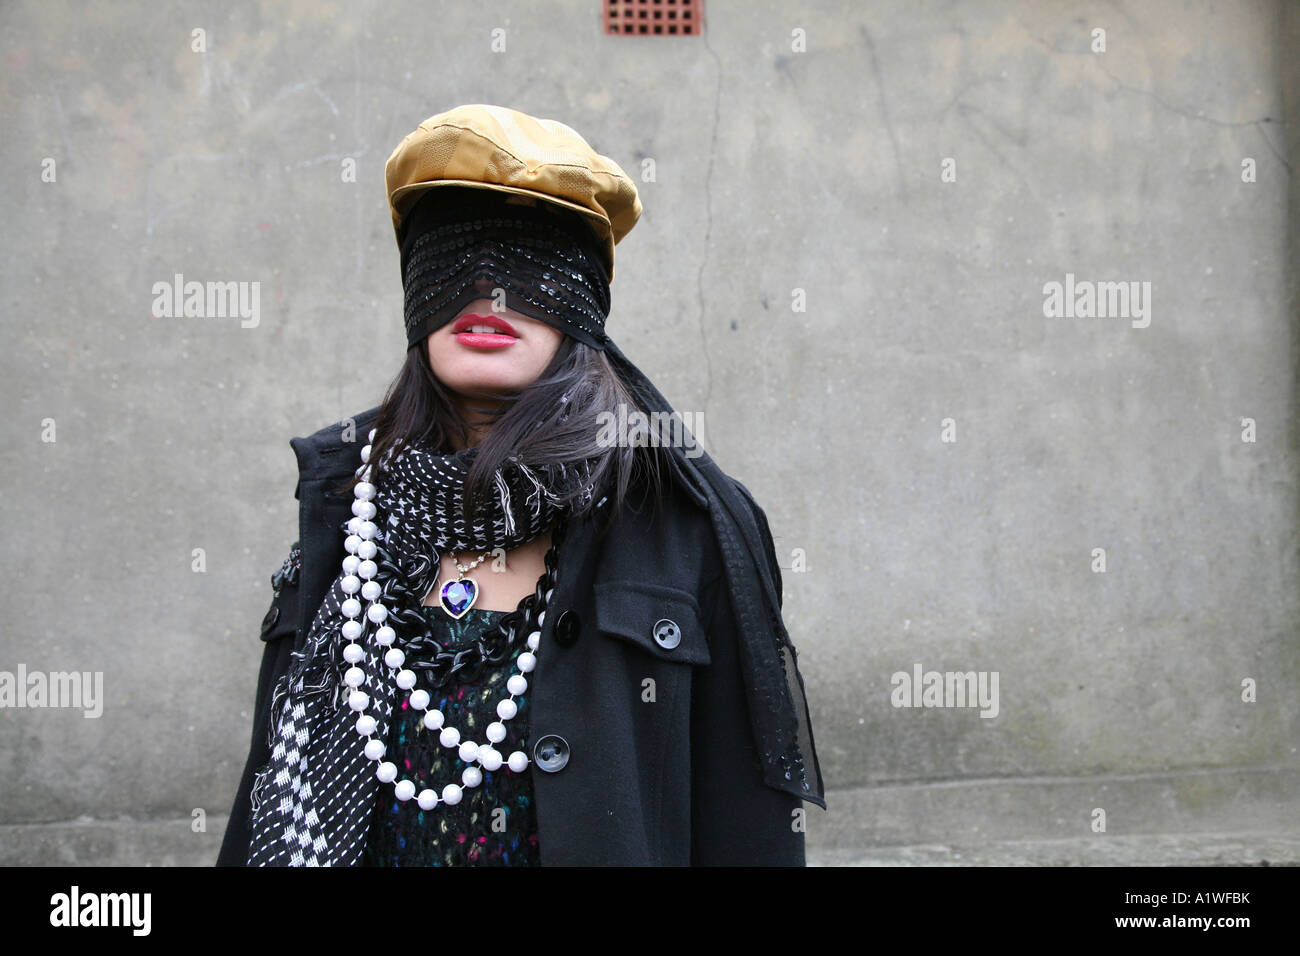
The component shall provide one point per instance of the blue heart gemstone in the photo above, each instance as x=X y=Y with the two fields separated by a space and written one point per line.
x=458 y=597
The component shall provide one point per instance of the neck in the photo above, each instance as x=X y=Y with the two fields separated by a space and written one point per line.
x=476 y=435
x=479 y=427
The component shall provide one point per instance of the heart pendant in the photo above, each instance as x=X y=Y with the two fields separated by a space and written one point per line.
x=457 y=597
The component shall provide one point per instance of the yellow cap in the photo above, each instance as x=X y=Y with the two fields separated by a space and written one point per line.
x=493 y=147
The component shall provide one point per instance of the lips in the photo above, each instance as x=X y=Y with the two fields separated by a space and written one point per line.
x=484 y=332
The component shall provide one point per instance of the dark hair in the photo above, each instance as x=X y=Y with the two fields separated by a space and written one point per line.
x=555 y=420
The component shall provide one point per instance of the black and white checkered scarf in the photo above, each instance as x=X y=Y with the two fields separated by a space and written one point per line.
x=312 y=803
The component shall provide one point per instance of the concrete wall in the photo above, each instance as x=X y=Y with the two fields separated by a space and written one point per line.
x=783 y=178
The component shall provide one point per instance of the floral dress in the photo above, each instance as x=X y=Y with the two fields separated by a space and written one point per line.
x=495 y=823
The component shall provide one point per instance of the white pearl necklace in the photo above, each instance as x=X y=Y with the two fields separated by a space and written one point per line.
x=359 y=571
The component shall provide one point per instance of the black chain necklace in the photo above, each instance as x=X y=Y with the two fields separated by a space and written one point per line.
x=442 y=663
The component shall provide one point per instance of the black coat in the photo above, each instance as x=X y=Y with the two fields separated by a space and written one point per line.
x=623 y=780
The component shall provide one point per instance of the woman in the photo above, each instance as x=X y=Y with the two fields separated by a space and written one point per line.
x=520 y=638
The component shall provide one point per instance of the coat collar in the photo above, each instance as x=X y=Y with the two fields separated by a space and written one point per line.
x=320 y=455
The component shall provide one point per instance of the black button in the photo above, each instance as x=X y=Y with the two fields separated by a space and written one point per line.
x=566 y=629
x=667 y=634
x=551 y=753
x=272 y=616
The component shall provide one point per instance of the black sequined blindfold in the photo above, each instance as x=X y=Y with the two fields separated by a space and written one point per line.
x=461 y=244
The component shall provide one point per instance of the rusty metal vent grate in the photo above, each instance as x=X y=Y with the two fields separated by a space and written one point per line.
x=654 y=17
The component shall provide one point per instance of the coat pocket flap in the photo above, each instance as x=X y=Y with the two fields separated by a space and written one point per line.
x=664 y=621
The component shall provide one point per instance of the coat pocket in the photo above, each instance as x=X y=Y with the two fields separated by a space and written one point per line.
x=663 y=621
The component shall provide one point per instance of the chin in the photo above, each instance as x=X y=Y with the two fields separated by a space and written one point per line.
x=467 y=375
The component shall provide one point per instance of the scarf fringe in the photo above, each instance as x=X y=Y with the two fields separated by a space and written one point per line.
x=503 y=497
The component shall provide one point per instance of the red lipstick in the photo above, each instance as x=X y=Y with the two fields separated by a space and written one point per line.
x=473 y=332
